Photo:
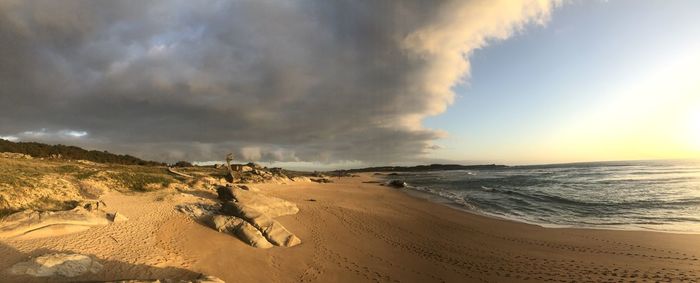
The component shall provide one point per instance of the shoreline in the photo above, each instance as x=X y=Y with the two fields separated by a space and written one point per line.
x=445 y=201
x=421 y=195
x=357 y=232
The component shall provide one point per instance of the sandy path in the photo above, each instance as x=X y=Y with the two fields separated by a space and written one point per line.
x=360 y=232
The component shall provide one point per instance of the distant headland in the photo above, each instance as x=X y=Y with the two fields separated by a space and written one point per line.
x=431 y=167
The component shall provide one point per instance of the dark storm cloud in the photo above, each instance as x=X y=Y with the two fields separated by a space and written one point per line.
x=271 y=80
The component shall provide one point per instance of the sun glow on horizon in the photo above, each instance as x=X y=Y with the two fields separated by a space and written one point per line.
x=694 y=128
x=657 y=117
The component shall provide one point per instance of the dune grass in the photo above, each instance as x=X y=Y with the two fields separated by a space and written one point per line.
x=60 y=184
x=137 y=181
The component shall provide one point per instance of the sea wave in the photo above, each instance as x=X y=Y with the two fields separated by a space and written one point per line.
x=658 y=196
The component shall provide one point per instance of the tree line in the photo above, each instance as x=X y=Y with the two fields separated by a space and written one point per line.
x=40 y=150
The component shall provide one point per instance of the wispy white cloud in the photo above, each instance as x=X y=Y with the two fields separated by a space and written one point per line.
x=72 y=133
x=10 y=138
x=46 y=135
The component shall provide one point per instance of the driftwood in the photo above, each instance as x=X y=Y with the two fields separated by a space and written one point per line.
x=230 y=176
x=171 y=170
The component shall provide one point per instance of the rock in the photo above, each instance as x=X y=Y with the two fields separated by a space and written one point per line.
x=33 y=224
x=68 y=265
x=203 y=279
x=14 y=155
x=225 y=193
x=222 y=223
x=270 y=206
x=254 y=173
x=301 y=179
x=197 y=211
x=396 y=184
x=241 y=168
x=343 y=173
x=209 y=279
x=262 y=173
x=254 y=165
x=322 y=180
x=118 y=217
x=270 y=228
x=206 y=184
x=249 y=188
x=241 y=229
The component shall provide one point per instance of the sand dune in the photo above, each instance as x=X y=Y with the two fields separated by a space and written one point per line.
x=361 y=232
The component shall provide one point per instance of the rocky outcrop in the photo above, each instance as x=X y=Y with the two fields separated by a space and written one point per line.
x=206 y=183
x=198 y=211
x=254 y=173
x=242 y=168
x=31 y=223
x=322 y=180
x=225 y=193
x=270 y=206
x=270 y=228
x=301 y=179
x=396 y=184
x=117 y=217
x=242 y=229
x=208 y=279
x=203 y=279
x=248 y=215
x=58 y=264
x=14 y=155
x=245 y=174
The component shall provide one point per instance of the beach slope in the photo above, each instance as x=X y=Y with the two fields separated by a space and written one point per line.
x=354 y=230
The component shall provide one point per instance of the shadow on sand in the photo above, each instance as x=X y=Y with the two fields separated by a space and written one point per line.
x=112 y=271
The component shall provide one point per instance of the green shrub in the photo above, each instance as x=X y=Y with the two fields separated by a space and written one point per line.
x=139 y=181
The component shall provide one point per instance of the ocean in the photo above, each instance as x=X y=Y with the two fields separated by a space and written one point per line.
x=636 y=195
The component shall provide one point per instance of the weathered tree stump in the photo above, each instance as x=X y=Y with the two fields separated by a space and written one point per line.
x=230 y=176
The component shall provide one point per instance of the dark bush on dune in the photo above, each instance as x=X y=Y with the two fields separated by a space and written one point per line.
x=40 y=150
x=182 y=164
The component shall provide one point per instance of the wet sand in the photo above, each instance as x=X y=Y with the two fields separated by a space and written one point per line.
x=354 y=231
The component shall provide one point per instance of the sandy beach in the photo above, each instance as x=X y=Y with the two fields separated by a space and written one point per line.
x=248 y=141
x=354 y=230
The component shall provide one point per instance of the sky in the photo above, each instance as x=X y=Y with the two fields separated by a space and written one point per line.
x=602 y=80
x=336 y=84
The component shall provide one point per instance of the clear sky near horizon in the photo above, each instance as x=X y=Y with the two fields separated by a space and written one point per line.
x=602 y=80
x=347 y=83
